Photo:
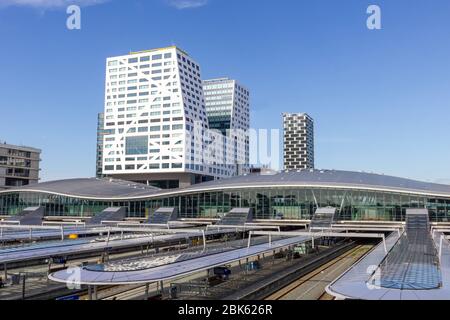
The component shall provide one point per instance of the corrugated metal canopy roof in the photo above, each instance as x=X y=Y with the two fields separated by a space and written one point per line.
x=92 y=187
x=334 y=178
x=105 y=188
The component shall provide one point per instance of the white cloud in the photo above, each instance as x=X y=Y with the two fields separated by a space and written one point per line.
x=187 y=4
x=48 y=4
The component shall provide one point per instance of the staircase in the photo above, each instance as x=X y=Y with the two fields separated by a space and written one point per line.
x=237 y=217
x=417 y=219
x=30 y=216
x=163 y=216
x=413 y=263
x=109 y=214
x=323 y=218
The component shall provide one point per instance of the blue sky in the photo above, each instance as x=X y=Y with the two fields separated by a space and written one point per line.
x=380 y=99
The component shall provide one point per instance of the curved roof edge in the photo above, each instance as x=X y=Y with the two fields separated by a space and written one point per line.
x=98 y=188
x=110 y=189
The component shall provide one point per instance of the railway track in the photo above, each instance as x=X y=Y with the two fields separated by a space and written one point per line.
x=108 y=292
x=326 y=296
x=311 y=286
x=130 y=294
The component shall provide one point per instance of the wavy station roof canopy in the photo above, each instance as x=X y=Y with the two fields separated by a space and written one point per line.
x=112 y=189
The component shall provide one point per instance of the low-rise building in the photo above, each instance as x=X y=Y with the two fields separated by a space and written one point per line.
x=19 y=165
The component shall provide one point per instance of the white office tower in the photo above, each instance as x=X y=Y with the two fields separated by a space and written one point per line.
x=228 y=109
x=155 y=120
x=298 y=141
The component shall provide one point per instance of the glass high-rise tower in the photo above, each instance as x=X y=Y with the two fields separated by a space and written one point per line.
x=228 y=110
x=99 y=153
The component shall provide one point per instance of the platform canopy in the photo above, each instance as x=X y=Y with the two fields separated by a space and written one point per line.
x=83 y=275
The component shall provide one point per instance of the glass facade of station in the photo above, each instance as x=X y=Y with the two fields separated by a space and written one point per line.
x=295 y=204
